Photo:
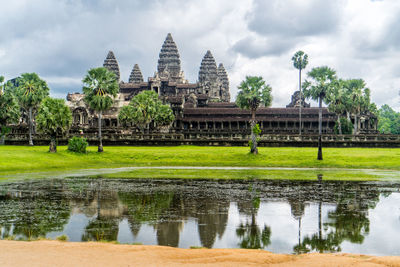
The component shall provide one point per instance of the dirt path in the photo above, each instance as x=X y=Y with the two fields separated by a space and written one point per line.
x=53 y=253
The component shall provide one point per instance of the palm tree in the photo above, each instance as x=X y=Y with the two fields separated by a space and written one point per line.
x=100 y=87
x=337 y=99
x=300 y=61
x=30 y=91
x=253 y=92
x=322 y=82
x=9 y=110
x=356 y=89
x=54 y=118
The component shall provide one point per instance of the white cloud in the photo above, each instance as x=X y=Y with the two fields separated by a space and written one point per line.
x=60 y=40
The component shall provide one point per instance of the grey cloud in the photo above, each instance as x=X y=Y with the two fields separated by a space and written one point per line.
x=295 y=18
x=253 y=48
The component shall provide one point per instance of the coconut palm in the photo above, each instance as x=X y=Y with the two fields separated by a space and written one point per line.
x=253 y=92
x=322 y=82
x=300 y=61
x=9 y=109
x=100 y=89
x=30 y=91
x=53 y=118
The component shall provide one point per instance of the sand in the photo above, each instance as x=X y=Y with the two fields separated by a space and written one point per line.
x=55 y=253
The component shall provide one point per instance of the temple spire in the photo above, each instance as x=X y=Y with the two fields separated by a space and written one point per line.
x=169 y=63
x=111 y=64
x=136 y=75
x=223 y=78
x=208 y=68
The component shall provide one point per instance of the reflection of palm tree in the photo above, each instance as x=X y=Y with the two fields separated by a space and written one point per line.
x=252 y=237
x=297 y=209
x=250 y=234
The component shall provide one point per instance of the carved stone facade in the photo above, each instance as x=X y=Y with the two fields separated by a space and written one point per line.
x=295 y=102
x=204 y=106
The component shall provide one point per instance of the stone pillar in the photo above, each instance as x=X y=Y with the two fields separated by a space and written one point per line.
x=230 y=125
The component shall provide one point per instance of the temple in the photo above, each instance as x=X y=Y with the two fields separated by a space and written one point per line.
x=204 y=106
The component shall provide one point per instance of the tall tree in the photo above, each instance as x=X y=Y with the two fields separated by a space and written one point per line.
x=30 y=91
x=100 y=89
x=53 y=118
x=253 y=92
x=300 y=61
x=144 y=108
x=356 y=89
x=389 y=120
x=323 y=79
x=9 y=109
x=336 y=99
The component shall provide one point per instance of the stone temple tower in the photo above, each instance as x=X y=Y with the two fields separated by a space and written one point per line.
x=213 y=81
x=136 y=75
x=223 y=78
x=111 y=64
x=169 y=63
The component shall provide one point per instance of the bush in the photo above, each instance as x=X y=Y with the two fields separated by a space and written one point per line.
x=347 y=126
x=62 y=238
x=77 y=144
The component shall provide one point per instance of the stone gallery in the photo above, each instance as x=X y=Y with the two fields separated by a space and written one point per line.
x=203 y=106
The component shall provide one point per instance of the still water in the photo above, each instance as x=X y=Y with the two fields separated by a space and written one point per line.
x=279 y=216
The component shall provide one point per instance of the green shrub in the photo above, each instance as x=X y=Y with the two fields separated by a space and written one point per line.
x=77 y=144
x=347 y=126
x=62 y=238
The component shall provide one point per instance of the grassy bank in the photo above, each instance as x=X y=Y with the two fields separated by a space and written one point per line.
x=24 y=159
x=348 y=175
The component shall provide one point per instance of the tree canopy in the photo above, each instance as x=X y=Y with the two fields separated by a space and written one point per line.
x=100 y=87
x=323 y=80
x=389 y=120
x=54 y=118
x=300 y=60
x=9 y=109
x=31 y=90
x=144 y=108
x=253 y=92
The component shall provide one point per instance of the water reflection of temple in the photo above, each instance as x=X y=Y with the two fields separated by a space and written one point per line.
x=32 y=209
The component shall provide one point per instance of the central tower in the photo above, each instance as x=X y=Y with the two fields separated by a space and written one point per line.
x=169 y=63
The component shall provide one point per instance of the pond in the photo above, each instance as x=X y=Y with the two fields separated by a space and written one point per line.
x=276 y=215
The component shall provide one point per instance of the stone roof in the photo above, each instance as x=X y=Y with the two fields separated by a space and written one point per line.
x=169 y=59
x=111 y=64
x=136 y=75
x=208 y=68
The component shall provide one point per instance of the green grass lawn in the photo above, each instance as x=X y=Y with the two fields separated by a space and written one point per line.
x=24 y=159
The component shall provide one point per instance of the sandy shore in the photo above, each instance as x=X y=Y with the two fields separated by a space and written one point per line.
x=54 y=253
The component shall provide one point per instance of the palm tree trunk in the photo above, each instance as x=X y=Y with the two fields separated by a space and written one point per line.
x=301 y=102
x=2 y=138
x=355 y=124
x=30 y=126
x=53 y=144
x=320 y=130
x=339 y=125
x=100 y=148
x=253 y=149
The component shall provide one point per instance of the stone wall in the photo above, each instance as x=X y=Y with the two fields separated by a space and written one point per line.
x=121 y=137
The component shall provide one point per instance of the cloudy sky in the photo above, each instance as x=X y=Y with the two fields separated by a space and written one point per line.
x=61 y=40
